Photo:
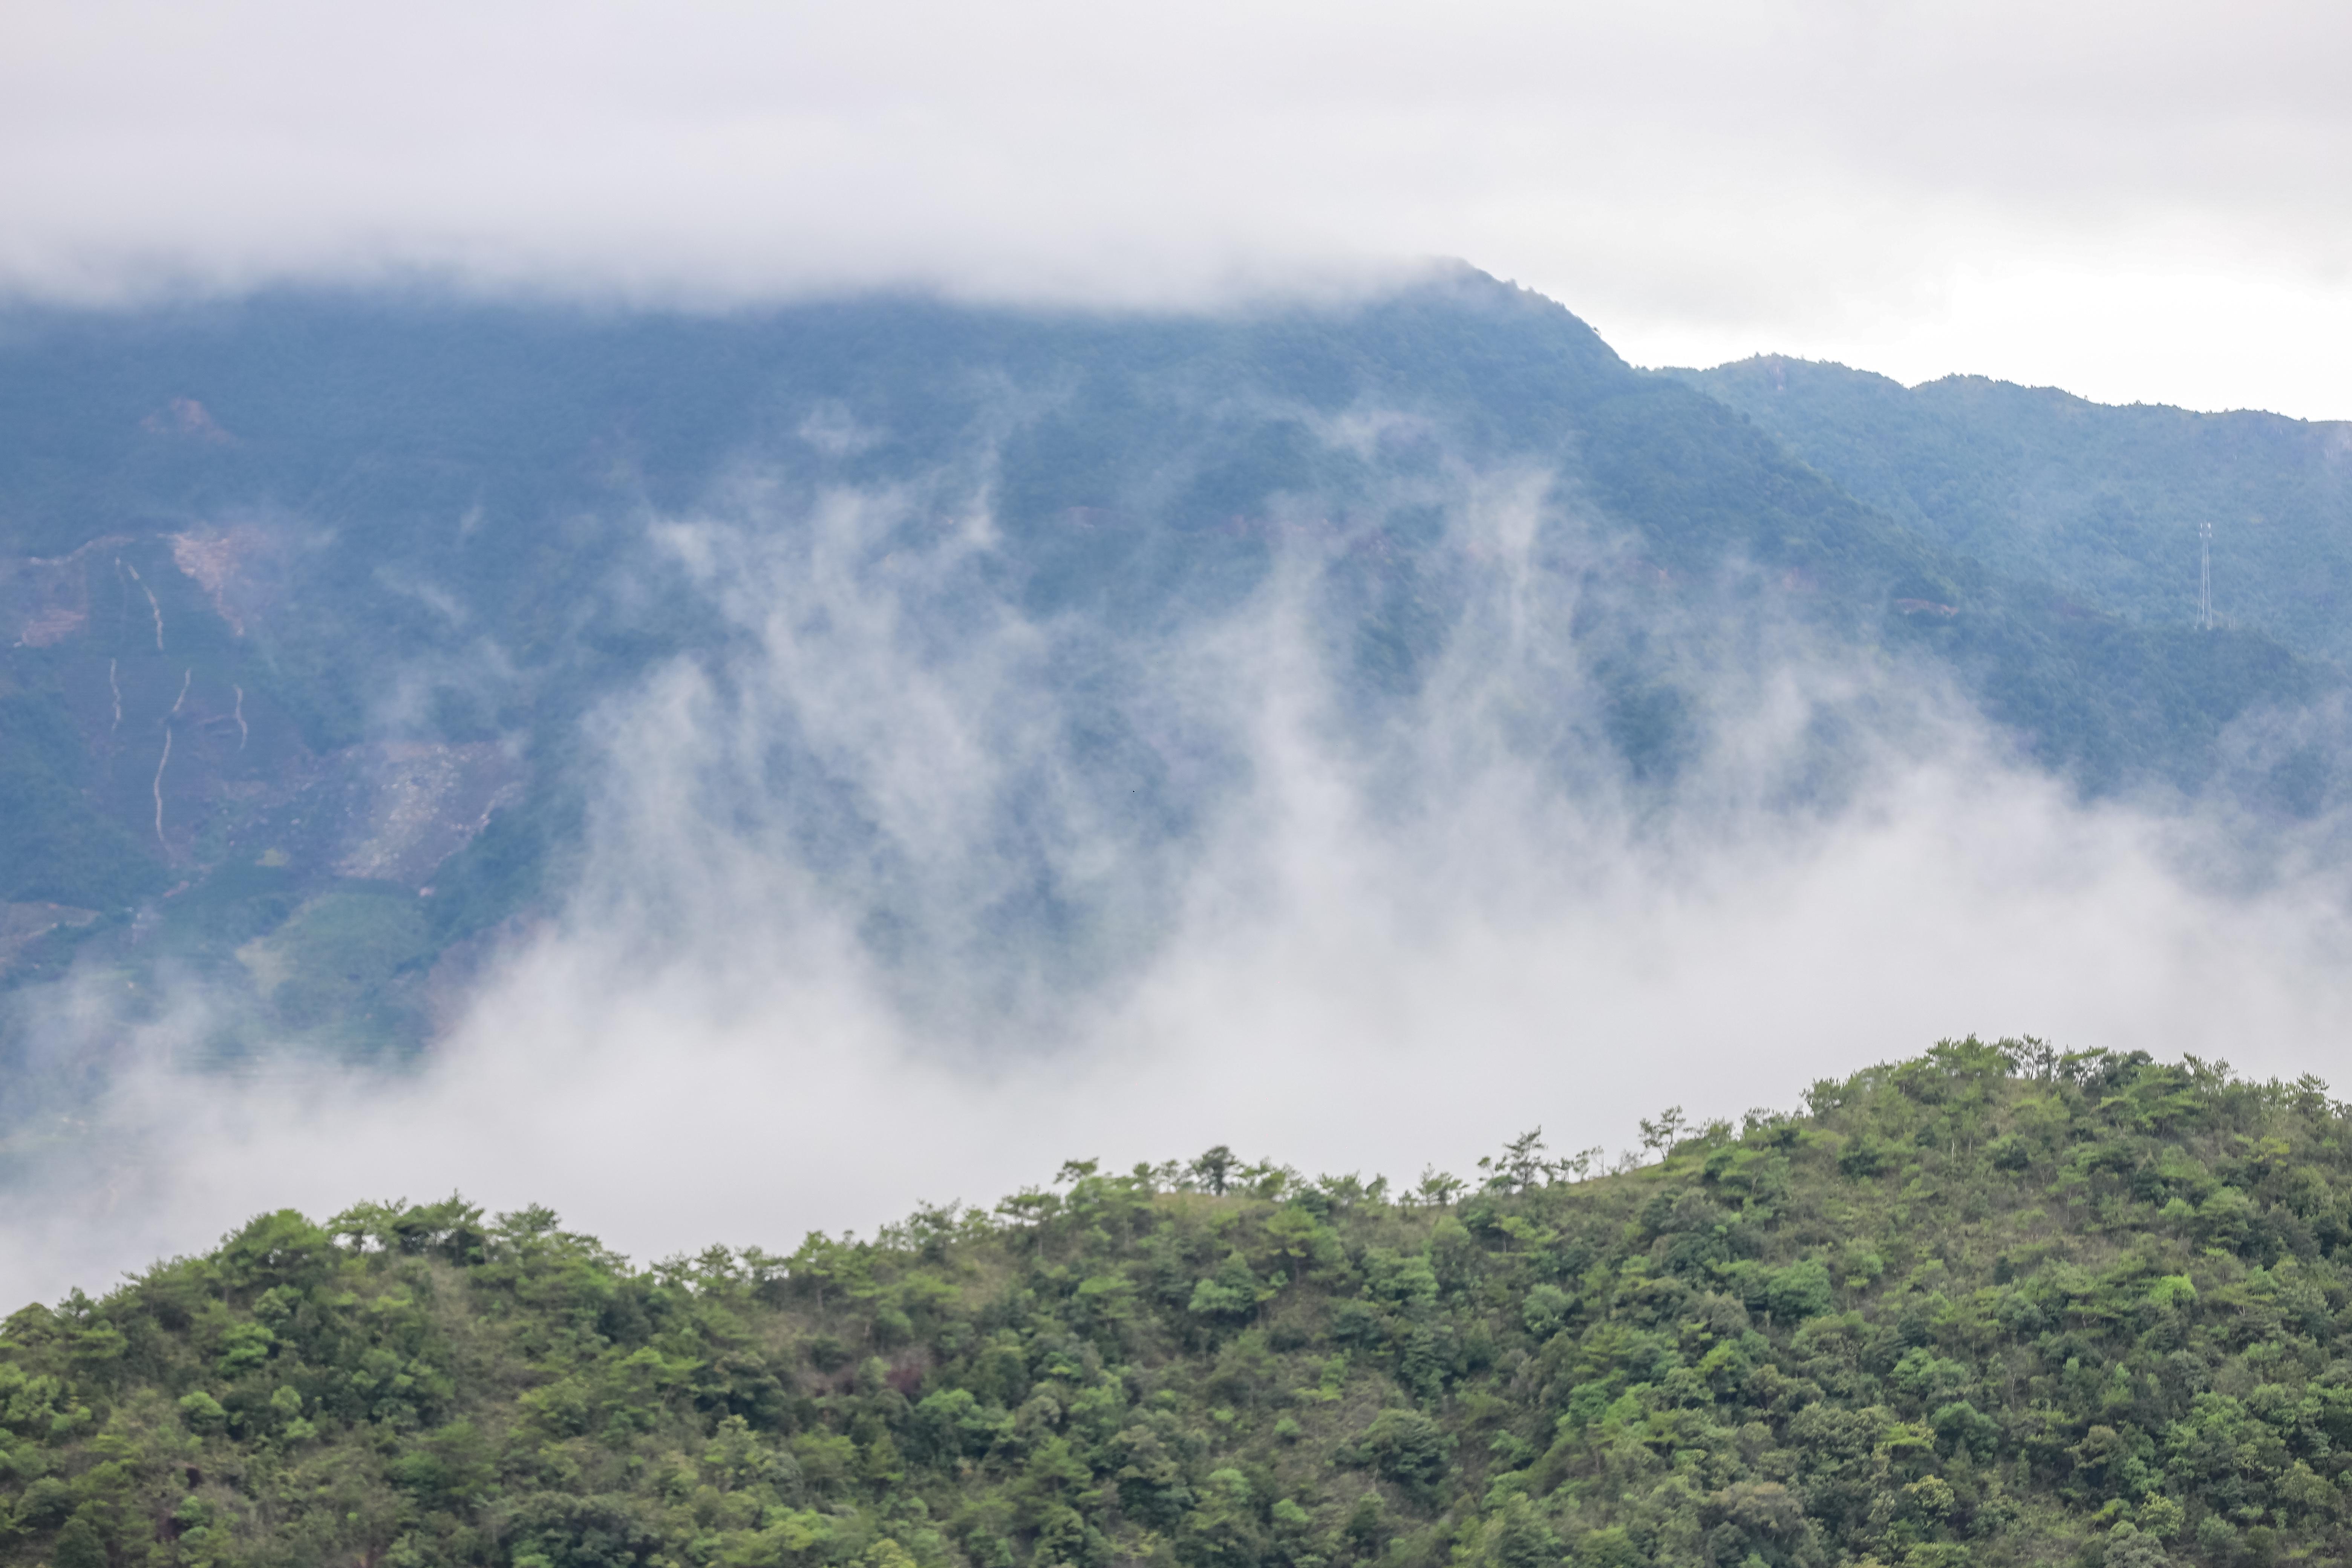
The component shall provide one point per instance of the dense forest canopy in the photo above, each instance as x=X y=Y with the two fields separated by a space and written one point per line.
x=1993 y=1305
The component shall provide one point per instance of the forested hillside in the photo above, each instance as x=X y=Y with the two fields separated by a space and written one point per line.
x=1993 y=1305
x=2104 y=503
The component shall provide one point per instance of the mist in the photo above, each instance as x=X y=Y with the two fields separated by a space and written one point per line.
x=903 y=892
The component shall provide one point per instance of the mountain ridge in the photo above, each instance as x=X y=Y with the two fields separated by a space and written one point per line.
x=321 y=706
x=2102 y=500
x=1994 y=1304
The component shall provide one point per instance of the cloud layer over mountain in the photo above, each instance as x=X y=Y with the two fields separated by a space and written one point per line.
x=1400 y=935
x=2133 y=201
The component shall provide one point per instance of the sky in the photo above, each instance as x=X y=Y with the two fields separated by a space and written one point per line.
x=2136 y=202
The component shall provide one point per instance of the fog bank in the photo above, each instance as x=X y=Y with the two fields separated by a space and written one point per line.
x=873 y=912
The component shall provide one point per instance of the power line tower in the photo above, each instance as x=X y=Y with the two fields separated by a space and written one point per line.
x=2205 y=575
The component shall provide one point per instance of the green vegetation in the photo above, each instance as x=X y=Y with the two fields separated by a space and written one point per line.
x=328 y=969
x=1993 y=1305
x=2101 y=503
x=58 y=848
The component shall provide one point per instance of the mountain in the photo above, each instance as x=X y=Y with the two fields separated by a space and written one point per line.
x=1993 y=1305
x=2103 y=503
x=318 y=609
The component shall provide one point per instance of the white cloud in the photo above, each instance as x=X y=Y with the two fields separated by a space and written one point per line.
x=2134 y=201
x=1393 y=943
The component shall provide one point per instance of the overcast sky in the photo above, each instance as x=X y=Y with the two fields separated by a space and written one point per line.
x=2141 y=201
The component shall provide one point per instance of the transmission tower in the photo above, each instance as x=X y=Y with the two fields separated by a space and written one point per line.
x=2205 y=575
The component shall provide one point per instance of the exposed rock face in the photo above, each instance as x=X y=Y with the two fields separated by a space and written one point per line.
x=22 y=925
x=161 y=690
x=412 y=805
x=217 y=561
x=45 y=602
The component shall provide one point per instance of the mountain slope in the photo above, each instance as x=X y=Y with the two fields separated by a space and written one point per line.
x=1989 y=1306
x=311 y=600
x=2104 y=503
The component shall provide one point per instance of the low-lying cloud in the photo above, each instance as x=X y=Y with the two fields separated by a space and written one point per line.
x=901 y=893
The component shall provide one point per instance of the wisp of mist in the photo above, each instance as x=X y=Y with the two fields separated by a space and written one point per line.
x=904 y=893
